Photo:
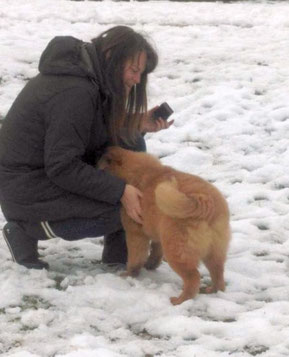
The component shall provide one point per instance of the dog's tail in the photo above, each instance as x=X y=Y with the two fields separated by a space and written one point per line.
x=174 y=203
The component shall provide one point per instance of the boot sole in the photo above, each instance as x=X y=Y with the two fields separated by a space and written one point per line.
x=27 y=265
x=9 y=246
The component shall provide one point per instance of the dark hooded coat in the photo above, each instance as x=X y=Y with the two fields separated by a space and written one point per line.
x=52 y=137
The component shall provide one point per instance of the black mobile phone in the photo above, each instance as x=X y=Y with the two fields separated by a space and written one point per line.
x=163 y=111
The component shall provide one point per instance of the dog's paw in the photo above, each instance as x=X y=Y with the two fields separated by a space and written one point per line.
x=152 y=264
x=209 y=290
x=133 y=271
x=176 y=300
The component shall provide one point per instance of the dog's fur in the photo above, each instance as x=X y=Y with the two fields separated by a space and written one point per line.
x=184 y=217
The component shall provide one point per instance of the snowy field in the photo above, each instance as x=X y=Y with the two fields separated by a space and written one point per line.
x=224 y=68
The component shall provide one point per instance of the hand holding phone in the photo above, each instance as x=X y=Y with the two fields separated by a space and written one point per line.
x=163 y=111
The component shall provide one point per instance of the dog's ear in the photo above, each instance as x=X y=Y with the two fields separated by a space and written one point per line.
x=113 y=155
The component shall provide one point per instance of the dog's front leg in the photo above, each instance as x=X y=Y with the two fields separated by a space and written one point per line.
x=155 y=257
x=137 y=246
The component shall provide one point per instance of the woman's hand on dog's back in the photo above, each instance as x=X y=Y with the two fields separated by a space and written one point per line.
x=131 y=202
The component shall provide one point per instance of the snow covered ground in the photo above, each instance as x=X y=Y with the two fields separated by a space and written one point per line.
x=224 y=69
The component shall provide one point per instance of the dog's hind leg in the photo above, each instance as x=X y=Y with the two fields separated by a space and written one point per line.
x=191 y=279
x=155 y=257
x=184 y=261
x=216 y=257
x=215 y=262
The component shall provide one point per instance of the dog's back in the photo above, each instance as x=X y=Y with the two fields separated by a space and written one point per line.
x=198 y=215
x=183 y=213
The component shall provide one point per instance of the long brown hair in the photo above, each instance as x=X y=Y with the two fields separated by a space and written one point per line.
x=116 y=46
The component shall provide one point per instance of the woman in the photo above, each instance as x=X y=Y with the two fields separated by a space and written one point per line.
x=87 y=96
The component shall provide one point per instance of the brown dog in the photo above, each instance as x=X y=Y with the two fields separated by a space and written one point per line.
x=184 y=216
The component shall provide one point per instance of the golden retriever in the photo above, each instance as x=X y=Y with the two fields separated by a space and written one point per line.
x=184 y=217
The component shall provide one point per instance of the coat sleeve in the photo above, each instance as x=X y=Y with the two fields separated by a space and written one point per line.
x=68 y=129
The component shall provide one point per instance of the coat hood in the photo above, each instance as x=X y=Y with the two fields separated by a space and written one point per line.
x=67 y=55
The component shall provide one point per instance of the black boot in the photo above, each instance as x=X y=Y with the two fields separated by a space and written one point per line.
x=23 y=248
x=115 y=249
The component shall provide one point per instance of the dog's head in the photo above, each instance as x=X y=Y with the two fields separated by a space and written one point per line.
x=126 y=164
x=113 y=160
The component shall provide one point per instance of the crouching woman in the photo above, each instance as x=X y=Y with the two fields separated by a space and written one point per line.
x=87 y=96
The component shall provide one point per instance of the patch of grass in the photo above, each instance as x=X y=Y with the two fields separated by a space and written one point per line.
x=58 y=280
x=229 y=320
x=15 y=344
x=259 y=92
x=233 y=181
x=95 y=261
x=190 y=339
x=260 y=198
x=144 y=334
x=251 y=350
x=22 y=77
x=262 y=227
x=262 y=64
x=27 y=328
x=95 y=329
x=223 y=1
x=281 y=186
x=261 y=254
x=34 y=302
x=255 y=350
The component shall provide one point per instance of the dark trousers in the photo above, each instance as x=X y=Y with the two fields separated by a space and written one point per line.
x=107 y=225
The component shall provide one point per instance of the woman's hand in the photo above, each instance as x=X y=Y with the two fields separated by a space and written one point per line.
x=131 y=202
x=151 y=125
